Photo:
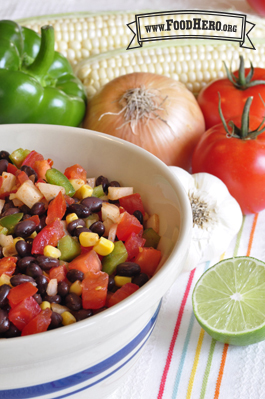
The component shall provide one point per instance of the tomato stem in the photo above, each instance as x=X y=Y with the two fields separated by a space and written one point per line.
x=243 y=82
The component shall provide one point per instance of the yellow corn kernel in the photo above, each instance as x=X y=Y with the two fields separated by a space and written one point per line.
x=84 y=192
x=49 y=250
x=45 y=305
x=71 y=217
x=33 y=235
x=88 y=239
x=104 y=247
x=122 y=280
x=68 y=318
x=5 y=279
x=76 y=288
x=77 y=183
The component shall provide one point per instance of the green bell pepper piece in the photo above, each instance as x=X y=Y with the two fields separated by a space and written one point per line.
x=37 y=83
x=117 y=256
x=54 y=176
x=10 y=221
x=69 y=247
x=18 y=156
x=98 y=191
x=152 y=238
x=3 y=230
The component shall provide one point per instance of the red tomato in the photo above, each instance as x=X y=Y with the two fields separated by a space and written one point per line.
x=122 y=293
x=148 y=259
x=258 y=6
x=132 y=245
x=31 y=158
x=41 y=166
x=86 y=262
x=35 y=219
x=56 y=208
x=128 y=225
x=21 y=292
x=240 y=164
x=21 y=314
x=38 y=324
x=69 y=200
x=132 y=203
x=12 y=169
x=58 y=272
x=49 y=235
x=21 y=177
x=94 y=290
x=75 y=172
x=232 y=98
x=8 y=265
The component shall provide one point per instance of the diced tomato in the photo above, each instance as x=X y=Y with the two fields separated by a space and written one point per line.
x=12 y=169
x=94 y=290
x=132 y=245
x=128 y=224
x=75 y=172
x=69 y=200
x=49 y=235
x=85 y=250
x=31 y=158
x=35 y=219
x=122 y=293
x=50 y=162
x=41 y=167
x=22 y=313
x=58 y=272
x=148 y=259
x=8 y=265
x=38 y=324
x=56 y=208
x=21 y=177
x=132 y=203
x=86 y=262
x=21 y=292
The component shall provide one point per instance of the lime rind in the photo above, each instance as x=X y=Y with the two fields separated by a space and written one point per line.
x=229 y=301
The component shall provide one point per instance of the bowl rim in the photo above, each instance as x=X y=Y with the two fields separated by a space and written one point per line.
x=179 y=249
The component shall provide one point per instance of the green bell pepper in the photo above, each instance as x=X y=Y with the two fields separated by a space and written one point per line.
x=10 y=221
x=37 y=83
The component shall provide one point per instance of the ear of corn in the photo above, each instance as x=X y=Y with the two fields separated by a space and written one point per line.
x=96 y=45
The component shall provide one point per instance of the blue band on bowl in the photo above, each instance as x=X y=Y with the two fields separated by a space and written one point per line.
x=85 y=375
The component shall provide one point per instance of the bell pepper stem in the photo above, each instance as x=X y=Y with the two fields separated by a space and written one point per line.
x=44 y=59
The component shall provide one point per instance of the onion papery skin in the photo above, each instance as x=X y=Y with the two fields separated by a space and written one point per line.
x=172 y=141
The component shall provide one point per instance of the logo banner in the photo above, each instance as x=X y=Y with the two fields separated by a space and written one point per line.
x=188 y=24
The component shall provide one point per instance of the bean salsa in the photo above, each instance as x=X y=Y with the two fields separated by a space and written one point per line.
x=71 y=245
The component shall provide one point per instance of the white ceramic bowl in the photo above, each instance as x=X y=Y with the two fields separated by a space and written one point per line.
x=89 y=359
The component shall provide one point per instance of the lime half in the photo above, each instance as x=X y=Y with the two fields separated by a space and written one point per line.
x=229 y=301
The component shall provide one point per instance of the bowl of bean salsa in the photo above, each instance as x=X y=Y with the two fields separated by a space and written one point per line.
x=93 y=232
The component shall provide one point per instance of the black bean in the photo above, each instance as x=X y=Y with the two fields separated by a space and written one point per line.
x=13 y=331
x=29 y=171
x=34 y=270
x=4 y=291
x=73 y=225
x=79 y=209
x=128 y=269
x=94 y=204
x=3 y=165
x=82 y=314
x=62 y=288
x=20 y=279
x=101 y=180
x=38 y=209
x=111 y=283
x=23 y=263
x=1 y=252
x=73 y=302
x=74 y=274
x=25 y=209
x=42 y=224
x=4 y=155
x=114 y=183
x=138 y=214
x=80 y=230
x=4 y=322
x=98 y=228
x=56 y=321
x=42 y=283
x=52 y=298
x=11 y=211
x=47 y=262
x=140 y=280
x=25 y=228
x=37 y=298
x=23 y=248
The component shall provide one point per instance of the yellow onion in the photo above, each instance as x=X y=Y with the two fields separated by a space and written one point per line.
x=152 y=111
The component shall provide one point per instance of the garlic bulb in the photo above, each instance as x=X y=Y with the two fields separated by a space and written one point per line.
x=217 y=217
